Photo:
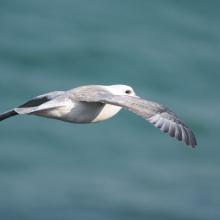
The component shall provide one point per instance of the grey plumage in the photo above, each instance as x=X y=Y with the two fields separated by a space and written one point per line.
x=66 y=106
x=160 y=123
x=172 y=129
x=31 y=103
x=41 y=99
x=155 y=113
x=178 y=132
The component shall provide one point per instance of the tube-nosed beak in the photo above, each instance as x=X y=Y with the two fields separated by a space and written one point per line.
x=137 y=96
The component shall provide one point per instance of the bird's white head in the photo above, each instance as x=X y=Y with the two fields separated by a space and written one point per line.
x=121 y=90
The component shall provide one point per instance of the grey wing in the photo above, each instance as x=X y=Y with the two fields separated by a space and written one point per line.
x=31 y=105
x=41 y=99
x=158 y=115
x=170 y=123
x=24 y=108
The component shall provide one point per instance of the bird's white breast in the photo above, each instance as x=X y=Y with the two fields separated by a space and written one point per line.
x=107 y=112
x=81 y=112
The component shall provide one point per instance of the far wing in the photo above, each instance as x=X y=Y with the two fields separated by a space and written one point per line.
x=34 y=104
x=158 y=115
x=28 y=106
x=41 y=99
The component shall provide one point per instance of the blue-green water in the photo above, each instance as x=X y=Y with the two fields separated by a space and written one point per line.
x=122 y=168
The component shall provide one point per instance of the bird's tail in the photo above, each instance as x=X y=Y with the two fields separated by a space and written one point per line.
x=8 y=114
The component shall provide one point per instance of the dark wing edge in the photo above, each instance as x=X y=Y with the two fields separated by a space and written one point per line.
x=41 y=99
x=32 y=103
x=8 y=114
x=158 y=115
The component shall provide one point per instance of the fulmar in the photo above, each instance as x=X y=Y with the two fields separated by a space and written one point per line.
x=94 y=103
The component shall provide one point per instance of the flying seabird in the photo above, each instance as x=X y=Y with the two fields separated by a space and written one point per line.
x=89 y=104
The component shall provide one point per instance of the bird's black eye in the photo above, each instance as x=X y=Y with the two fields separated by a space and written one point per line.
x=128 y=91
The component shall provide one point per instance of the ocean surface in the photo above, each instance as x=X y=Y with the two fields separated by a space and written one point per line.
x=122 y=168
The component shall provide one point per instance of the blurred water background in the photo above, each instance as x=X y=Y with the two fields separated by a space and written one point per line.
x=122 y=168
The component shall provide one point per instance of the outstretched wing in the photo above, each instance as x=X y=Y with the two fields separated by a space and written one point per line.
x=158 y=115
x=33 y=104
x=24 y=108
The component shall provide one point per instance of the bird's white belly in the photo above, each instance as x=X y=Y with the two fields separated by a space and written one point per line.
x=81 y=112
x=107 y=112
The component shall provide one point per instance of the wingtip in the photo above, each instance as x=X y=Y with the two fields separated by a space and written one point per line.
x=174 y=129
x=192 y=138
x=193 y=146
x=192 y=143
x=7 y=114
